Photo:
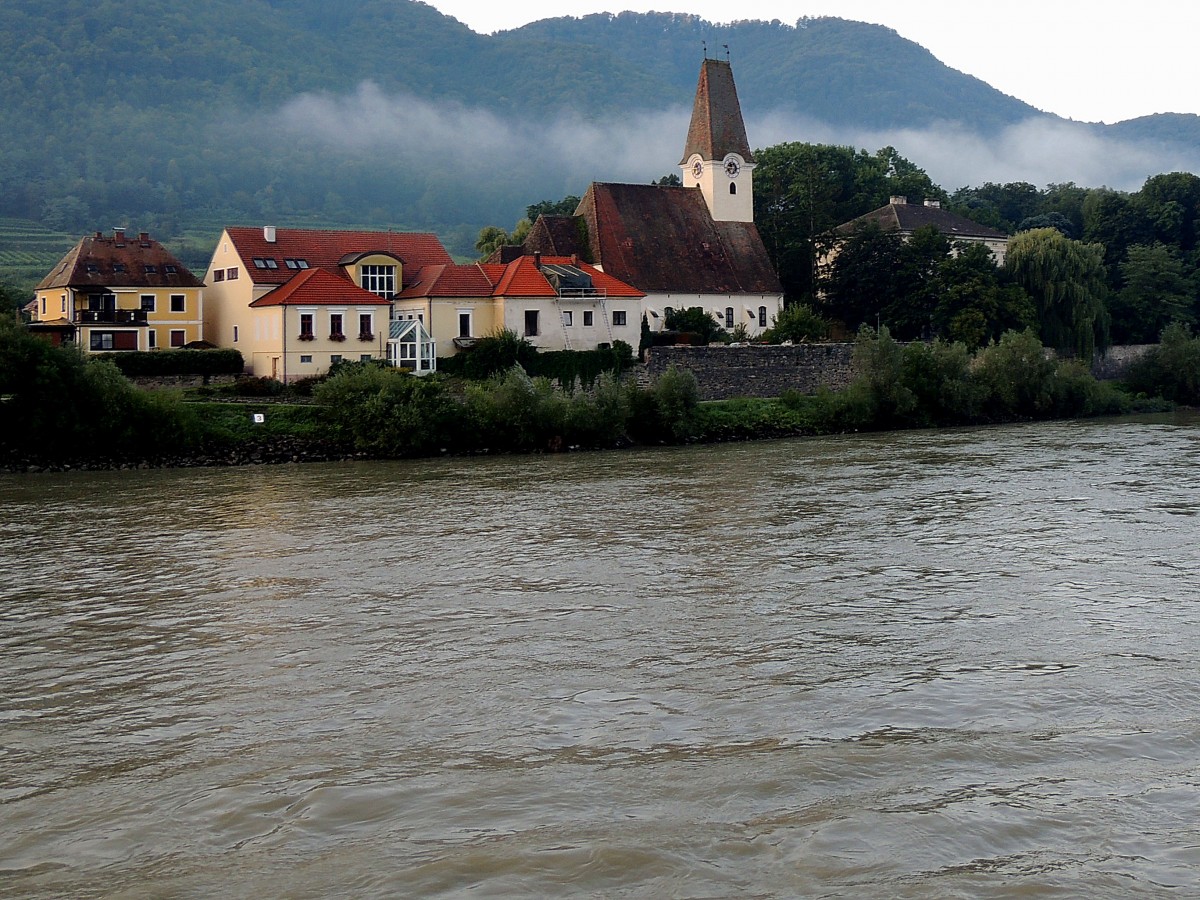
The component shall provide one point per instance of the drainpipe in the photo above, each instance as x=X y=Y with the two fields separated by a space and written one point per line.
x=284 y=308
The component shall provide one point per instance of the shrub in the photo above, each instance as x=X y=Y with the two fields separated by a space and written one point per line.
x=1014 y=378
x=386 y=412
x=797 y=323
x=694 y=320
x=1170 y=370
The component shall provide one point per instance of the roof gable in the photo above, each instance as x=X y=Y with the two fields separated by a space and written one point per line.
x=319 y=287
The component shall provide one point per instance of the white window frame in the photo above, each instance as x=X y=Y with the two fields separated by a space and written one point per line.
x=379 y=279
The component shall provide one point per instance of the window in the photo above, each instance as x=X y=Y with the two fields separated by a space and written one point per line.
x=567 y=317
x=464 y=324
x=119 y=268
x=235 y=334
x=306 y=326
x=335 y=358
x=151 y=338
x=305 y=357
x=335 y=327
x=380 y=280
x=170 y=270
x=732 y=188
x=531 y=322
x=231 y=274
x=102 y=340
x=63 y=302
x=762 y=317
x=292 y=263
x=587 y=318
x=151 y=270
x=148 y=302
x=177 y=337
x=619 y=317
x=729 y=317
x=43 y=306
x=178 y=303
x=265 y=262
x=364 y=357
x=366 y=327
x=92 y=268
x=218 y=274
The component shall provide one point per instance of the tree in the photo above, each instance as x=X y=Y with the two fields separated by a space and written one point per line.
x=977 y=301
x=671 y=180
x=564 y=207
x=1156 y=293
x=1066 y=279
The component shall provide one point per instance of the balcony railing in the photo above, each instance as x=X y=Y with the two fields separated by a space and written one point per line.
x=112 y=317
x=582 y=293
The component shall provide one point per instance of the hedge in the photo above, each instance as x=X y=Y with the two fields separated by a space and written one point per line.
x=178 y=362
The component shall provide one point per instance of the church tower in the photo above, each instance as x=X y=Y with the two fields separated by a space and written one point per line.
x=717 y=156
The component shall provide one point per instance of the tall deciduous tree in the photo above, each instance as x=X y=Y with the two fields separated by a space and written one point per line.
x=1066 y=279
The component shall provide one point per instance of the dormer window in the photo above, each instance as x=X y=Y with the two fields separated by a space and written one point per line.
x=118 y=267
x=379 y=280
x=170 y=270
x=92 y=268
x=293 y=263
x=151 y=270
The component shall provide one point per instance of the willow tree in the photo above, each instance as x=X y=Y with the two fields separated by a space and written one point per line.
x=1067 y=281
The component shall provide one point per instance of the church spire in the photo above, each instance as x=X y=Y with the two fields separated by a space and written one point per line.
x=717 y=157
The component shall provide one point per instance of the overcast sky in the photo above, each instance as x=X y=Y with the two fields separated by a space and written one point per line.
x=1101 y=61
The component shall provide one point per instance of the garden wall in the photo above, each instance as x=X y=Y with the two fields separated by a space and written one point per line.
x=758 y=370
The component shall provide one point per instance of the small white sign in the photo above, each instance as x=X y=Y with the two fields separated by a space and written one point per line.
x=259 y=418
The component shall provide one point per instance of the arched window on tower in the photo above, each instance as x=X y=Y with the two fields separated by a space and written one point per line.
x=732 y=188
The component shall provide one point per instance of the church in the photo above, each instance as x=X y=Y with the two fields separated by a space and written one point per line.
x=688 y=246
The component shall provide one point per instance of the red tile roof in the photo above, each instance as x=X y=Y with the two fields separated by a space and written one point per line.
x=519 y=278
x=315 y=287
x=326 y=248
x=119 y=261
x=449 y=281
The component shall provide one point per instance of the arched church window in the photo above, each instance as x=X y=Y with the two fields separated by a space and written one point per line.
x=732 y=188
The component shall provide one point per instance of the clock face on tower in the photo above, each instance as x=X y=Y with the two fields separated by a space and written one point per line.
x=697 y=169
x=732 y=167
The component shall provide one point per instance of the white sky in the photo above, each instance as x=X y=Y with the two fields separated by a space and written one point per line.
x=1099 y=61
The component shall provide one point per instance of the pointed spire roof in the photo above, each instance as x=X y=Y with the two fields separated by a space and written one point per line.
x=717 y=128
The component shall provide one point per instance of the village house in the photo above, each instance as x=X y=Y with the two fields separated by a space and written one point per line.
x=295 y=301
x=904 y=217
x=119 y=292
x=688 y=246
x=554 y=302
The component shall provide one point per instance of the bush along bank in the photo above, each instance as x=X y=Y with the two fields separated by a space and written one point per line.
x=59 y=409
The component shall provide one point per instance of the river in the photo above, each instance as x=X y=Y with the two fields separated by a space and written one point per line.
x=927 y=664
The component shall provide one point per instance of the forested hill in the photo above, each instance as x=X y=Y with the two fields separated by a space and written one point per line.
x=170 y=115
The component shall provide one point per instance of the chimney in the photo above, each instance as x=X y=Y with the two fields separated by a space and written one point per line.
x=269 y=234
x=144 y=237
x=898 y=201
x=537 y=259
x=933 y=204
x=119 y=235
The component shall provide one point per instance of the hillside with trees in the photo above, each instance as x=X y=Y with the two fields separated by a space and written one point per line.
x=164 y=116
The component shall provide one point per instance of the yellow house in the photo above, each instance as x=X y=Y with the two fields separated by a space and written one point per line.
x=120 y=293
x=295 y=301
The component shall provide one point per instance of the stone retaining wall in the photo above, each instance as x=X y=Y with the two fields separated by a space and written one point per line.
x=153 y=382
x=759 y=370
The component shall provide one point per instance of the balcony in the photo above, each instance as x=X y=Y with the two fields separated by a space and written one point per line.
x=111 y=317
x=582 y=293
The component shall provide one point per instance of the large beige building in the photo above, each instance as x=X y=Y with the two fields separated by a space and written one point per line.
x=119 y=292
x=295 y=301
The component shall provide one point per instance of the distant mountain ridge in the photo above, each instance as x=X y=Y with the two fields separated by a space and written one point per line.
x=158 y=113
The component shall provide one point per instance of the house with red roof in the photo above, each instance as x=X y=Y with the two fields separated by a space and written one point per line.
x=554 y=302
x=295 y=301
x=688 y=246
